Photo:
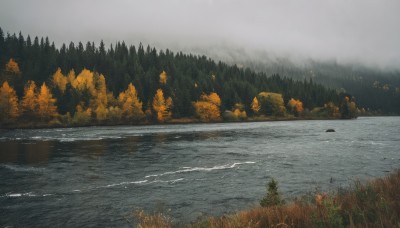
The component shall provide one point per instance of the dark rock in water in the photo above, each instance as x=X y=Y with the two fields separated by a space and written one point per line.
x=330 y=130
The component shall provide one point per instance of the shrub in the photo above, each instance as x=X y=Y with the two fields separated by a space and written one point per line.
x=272 y=197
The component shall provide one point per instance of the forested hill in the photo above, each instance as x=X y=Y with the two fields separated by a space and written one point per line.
x=182 y=77
x=375 y=88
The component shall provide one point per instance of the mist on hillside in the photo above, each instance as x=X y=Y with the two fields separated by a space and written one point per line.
x=358 y=32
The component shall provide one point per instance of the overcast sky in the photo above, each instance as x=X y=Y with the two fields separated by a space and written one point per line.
x=366 y=31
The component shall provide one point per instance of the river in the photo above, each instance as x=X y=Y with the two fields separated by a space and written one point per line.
x=98 y=176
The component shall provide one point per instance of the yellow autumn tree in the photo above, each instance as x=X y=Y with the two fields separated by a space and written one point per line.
x=82 y=116
x=212 y=98
x=99 y=101
x=161 y=106
x=349 y=108
x=8 y=103
x=59 y=80
x=208 y=107
x=29 y=100
x=12 y=67
x=163 y=78
x=255 y=105
x=114 y=114
x=84 y=81
x=271 y=103
x=71 y=76
x=295 y=106
x=12 y=74
x=239 y=112
x=101 y=113
x=46 y=104
x=332 y=110
x=130 y=104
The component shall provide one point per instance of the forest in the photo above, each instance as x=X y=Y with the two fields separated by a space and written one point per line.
x=377 y=89
x=79 y=85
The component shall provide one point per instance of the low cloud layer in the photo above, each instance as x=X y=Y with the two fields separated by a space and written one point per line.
x=363 y=31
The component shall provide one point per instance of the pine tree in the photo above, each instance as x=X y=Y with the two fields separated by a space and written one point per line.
x=272 y=197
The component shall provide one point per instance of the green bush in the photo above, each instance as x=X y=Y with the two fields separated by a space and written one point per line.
x=272 y=197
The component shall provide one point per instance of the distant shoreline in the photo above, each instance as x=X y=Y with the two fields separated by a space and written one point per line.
x=179 y=121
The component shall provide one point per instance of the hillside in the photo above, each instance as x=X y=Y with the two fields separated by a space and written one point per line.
x=90 y=79
x=375 y=88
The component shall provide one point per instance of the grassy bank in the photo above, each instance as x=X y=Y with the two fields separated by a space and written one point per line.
x=372 y=204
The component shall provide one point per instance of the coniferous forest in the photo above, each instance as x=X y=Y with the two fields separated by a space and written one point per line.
x=88 y=84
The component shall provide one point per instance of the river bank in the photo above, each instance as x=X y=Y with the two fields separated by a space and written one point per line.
x=375 y=203
x=39 y=125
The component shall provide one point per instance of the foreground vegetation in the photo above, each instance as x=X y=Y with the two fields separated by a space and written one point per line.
x=373 y=204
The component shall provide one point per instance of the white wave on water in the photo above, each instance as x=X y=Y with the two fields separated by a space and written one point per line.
x=184 y=170
x=124 y=183
x=73 y=139
x=168 y=181
x=15 y=195
x=207 y=169
x=17 y=168
x=376 y=143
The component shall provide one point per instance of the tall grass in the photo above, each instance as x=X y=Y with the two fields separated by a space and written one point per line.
x=373 y=204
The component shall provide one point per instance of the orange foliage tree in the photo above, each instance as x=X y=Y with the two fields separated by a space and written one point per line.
x=255 y=105
x=272 y=103
x=29 y=100
x=82 y=116
x=46 y=104
x=161 y=106
x=349 y=108
x=239 y=112
x=208 y=107
x=130 y=104
x=332 y=110
x=8 y=103
x=163 y=78
x=12 y=75
x=99 y=100
x=12 y=67
x=59 y=80
x=295 y=106
x=83 y=82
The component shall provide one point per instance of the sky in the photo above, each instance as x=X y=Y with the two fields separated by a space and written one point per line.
x=360 y=31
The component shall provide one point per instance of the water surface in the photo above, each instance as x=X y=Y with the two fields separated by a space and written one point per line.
x=97 y=176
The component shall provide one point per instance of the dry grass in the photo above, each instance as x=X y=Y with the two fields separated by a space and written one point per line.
x=374 y=204
x=152 y=221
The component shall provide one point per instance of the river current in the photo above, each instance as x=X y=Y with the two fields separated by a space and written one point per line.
x=98 y=176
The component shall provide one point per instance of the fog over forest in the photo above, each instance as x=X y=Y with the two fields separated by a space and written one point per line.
x=360 y=31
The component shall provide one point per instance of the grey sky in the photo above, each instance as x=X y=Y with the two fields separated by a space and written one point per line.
x=366 y=31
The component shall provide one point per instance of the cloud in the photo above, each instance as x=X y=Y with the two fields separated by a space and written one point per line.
x=363 y=31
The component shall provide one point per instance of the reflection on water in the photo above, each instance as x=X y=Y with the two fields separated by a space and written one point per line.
x=26 y=153
x=9 y=151
x=96 y=176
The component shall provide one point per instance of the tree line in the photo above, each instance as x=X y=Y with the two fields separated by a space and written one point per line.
x=125 y=84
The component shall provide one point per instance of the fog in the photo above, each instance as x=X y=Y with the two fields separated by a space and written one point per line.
x=360 y=31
